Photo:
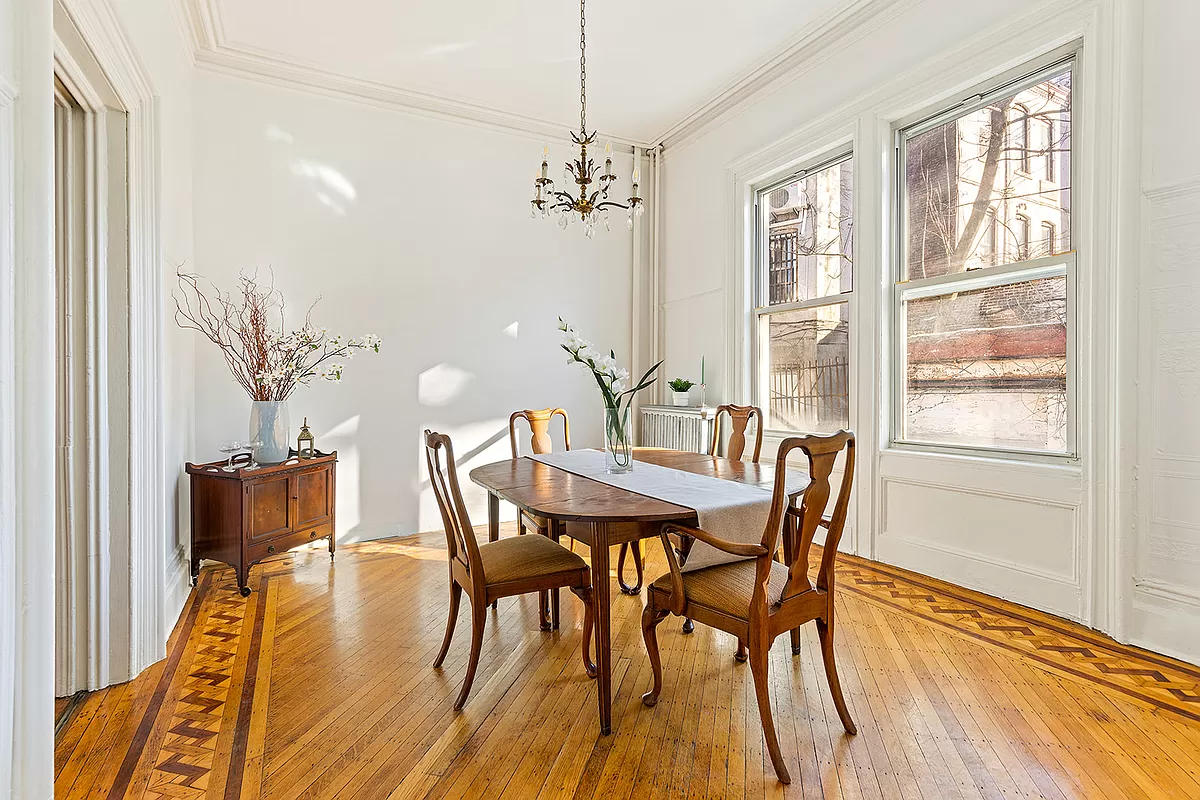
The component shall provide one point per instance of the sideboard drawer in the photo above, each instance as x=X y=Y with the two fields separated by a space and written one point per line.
x=286 y=541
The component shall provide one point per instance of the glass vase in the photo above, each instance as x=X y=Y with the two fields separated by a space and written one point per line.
x=618 y=441
x=272 y=429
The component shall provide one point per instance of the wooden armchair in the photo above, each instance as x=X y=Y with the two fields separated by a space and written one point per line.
x=512 y=566
x=757 y=600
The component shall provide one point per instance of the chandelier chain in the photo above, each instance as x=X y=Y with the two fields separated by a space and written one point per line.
x=582 y=69
x=589 y=201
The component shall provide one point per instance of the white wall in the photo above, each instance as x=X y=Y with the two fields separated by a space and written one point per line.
x=158 y=38
x=1040 y=534
x=417 y=230
x=1167 y=578
x=26 y=379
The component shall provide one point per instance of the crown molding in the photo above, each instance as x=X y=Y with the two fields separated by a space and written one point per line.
x=798 y=56
x=214 y=52
x=1166 y=193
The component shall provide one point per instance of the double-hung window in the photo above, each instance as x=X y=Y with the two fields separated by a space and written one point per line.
x=983 y=299
x=804 y=277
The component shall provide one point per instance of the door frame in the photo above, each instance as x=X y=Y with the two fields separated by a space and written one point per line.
x=138 y=604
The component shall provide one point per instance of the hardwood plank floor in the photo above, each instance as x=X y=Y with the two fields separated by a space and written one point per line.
x=319 y=685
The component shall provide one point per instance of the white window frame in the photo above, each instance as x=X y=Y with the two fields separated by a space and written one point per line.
x=760 y=305
x=1063 y=264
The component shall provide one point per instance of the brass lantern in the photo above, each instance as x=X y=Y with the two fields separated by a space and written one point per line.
x=305 y=445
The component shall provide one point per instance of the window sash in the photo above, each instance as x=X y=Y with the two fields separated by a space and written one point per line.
x=762 y=229
x=1063 y=265
x=761 y=345
x=904 y=290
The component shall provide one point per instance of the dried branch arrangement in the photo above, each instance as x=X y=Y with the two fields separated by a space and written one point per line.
x=266 y=359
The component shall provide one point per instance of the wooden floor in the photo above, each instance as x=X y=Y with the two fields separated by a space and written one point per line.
x=319 y=685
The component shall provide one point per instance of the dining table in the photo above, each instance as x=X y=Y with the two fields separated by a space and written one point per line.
x=601 y=515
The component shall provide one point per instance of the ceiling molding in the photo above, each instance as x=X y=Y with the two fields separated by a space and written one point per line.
x=792 y=60
x=214 y=51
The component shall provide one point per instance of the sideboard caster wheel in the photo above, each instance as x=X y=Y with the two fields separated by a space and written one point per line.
x=244 y=591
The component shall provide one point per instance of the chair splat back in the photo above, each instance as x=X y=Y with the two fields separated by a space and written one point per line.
x=539 y=429
x=822 y=453
x=460 y=535
x=739 y=418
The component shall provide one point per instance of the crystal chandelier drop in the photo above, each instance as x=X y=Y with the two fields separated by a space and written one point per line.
x=591 y=204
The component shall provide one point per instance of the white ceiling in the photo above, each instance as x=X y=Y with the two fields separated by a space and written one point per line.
x=650 y=62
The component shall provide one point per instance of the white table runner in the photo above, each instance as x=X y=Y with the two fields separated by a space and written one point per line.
x=736 y=512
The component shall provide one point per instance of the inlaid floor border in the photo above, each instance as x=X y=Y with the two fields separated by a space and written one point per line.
x=1162 y=682
x=203 y=731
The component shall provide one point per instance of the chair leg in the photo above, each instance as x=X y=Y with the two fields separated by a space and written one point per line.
x=584 y=593
x=477 y=623
x=455 y=596
x=740 y=655
x=825 y=634
x=759 y=652
x=650 y=618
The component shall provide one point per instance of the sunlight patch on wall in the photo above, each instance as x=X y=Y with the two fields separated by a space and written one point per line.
x=441 y=384
x=332 y=188
x=278 y=134
x=512 y=330
x=343 y=438
x=475 y=444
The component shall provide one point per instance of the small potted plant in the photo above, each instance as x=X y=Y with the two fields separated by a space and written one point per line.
x=679 y=391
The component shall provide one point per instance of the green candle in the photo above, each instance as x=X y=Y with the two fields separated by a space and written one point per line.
x=701 y=370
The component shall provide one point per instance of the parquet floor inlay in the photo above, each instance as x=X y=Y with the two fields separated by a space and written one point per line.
x=319 y=685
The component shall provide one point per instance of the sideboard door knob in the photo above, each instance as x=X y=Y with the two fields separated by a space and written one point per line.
x=270 y=548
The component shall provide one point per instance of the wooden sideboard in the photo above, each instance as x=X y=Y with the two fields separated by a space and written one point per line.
x=244 y=516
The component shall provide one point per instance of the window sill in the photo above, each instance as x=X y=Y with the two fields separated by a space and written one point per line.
x=1050 y=463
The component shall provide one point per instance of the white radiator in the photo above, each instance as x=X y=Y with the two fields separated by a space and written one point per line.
x=677 y=427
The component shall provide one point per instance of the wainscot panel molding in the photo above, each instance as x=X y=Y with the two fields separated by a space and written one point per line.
x=1167 y=578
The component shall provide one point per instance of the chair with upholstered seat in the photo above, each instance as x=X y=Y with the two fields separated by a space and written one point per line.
x=541 y=443
x=757 y=598
x=735 y=448
x=507 y=567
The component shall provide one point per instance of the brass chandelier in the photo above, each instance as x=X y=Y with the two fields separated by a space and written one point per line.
x=591 y=205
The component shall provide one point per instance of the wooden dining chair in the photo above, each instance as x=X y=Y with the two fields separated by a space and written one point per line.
x=758 y=598
x=512 y=566
x=540 y=443
x=739 y=419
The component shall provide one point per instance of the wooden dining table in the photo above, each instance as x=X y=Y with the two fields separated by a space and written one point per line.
x=601 y=515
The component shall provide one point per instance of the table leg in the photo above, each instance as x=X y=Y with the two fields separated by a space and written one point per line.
x=602 y=598
x=555 y=534
x=493 y=521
